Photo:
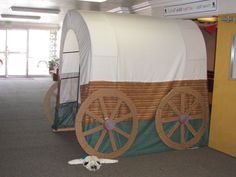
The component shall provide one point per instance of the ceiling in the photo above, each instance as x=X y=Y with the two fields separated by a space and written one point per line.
x=63 y=5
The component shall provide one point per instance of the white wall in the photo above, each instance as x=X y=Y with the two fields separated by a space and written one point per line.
x=223 y=7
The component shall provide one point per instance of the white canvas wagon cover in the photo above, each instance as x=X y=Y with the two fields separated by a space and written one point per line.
x=128 y=48
x=132 y=84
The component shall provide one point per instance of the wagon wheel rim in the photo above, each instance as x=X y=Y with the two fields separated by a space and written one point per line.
x=182 y=118
x=107 y=123
x=49 y=96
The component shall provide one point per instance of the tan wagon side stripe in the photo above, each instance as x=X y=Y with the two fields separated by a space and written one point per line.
x=146 y=96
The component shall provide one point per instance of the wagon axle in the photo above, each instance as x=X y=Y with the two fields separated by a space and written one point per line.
x=109 y=124
x=183 y=118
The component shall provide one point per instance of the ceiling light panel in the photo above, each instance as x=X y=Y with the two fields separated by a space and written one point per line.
x=94 y=0
x=36 y=10
x=32 y=17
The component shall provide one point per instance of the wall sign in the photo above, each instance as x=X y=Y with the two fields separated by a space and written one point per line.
x=191 y=8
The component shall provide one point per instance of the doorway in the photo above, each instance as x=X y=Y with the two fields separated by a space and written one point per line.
x=13 y=52
x=25 y=52
x=2 y=53
x=16 y=52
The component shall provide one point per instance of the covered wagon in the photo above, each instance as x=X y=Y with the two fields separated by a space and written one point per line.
x=131 y=84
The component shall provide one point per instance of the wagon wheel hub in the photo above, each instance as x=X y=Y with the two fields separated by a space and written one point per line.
x=109 y=124
x=183 y=119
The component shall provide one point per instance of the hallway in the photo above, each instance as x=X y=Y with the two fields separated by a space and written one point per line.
x=28 y=148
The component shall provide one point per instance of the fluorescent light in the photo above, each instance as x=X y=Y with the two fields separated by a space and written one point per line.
x=141 y=6
x=37 y=10
x=94 y=0
x=32 y=17
x=120 y=10
x=207 y=19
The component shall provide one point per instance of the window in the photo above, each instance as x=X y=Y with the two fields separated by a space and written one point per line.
x=233 y=58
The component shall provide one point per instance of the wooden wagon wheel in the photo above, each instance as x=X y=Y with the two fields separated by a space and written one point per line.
x=105 y=109
x=49 y=102
x=181 y=108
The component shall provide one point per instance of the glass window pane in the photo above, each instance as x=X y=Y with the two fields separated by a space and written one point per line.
x=233 y=58
x=39 y=43
x=3 y=40
x=16 y=64
x=17 y=40
x=2 y=64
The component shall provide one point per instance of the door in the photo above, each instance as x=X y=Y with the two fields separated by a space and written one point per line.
x=2 y=53
x=26 y=52
x=39 y=52
x=223 y=118
x=16 y=52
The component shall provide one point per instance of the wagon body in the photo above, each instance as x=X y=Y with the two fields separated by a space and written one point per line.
x=143 y=57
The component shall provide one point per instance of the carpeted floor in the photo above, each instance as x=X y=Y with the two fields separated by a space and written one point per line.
x=28 y=148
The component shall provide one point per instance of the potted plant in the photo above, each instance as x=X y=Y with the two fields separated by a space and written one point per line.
x=53 y=66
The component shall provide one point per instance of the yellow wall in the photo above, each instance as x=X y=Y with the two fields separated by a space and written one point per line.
x=223 y=119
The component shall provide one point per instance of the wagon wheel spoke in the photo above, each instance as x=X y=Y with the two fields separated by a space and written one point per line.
x=92 y=130
x=54 y=94
x=123 y=133
x=100 y=140
x=169 y=119
x=103 y=107
x=182 y=99
x=92 y=115
x=113 y=143
x=195 y=117
x=123 y=117
x=173 y=107
x=49 y=102
x=192 y=106
x=116 y=109
x=190 y=128
x=182 y=134
x=173 y=129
